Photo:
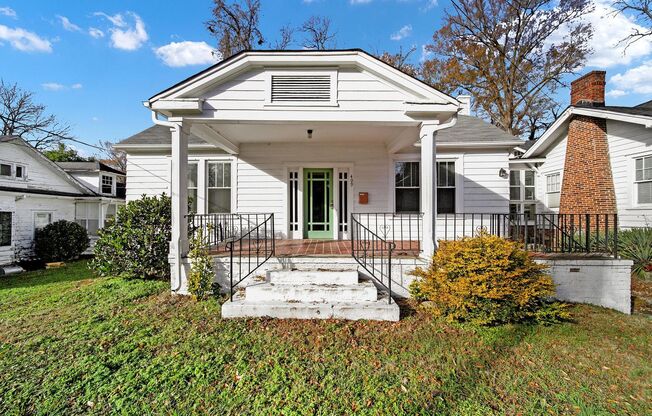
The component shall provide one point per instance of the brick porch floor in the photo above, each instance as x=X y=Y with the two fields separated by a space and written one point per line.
x=326 y=248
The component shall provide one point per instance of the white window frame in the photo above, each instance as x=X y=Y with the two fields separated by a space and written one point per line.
x=206 y=182
x=113 y=184
x=196 y=187
x=87 y=207
x=332 y=72
x=24 y=168
x=635 y=182
x=36 y=213
x=457 y=179
x=549 y=192
x=522 y=202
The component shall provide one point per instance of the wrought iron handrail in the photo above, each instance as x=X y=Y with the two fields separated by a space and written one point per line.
x=545 y=232
x=373 y=253
x=403 y=229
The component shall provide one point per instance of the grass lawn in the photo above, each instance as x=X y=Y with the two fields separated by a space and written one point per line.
x=73 y=344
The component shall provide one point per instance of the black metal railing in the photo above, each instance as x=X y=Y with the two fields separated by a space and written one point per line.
x=373 y=253
x=546 y=233
x=403 y=229
x=248 y=239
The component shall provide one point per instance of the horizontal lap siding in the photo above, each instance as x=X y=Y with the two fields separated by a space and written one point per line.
x=147 y=175
x=625 y=141
x=262 y=171
x=555 y=159
x=484 y=189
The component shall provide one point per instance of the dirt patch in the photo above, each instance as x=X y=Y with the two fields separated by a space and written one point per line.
x=642 y=295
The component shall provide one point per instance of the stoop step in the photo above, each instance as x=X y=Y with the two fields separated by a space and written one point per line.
x=312 y=294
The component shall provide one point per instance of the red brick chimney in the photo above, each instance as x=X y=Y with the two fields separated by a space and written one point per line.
x=587 y=186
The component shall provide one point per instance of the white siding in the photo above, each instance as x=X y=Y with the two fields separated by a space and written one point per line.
x=147 y=175
x=8 y=204
x=554 y=163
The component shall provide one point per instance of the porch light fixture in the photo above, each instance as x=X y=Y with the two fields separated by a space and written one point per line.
x=503 y=173
x=310 y=133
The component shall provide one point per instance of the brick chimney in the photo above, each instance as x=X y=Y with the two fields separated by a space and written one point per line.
x=587 y=185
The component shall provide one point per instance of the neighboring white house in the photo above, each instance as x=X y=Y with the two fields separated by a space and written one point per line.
x=34 y=192
x=98 y=176
x=595 y=158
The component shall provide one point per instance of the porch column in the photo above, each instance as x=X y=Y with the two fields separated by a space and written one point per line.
x=179 y=194
x=428 y=187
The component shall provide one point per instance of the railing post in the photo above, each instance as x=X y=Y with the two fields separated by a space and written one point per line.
x=230 y=245
x=615 y=236
x=389 y=270
x=587 y=237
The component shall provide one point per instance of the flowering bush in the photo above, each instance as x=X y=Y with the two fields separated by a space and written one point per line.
x=486 y=280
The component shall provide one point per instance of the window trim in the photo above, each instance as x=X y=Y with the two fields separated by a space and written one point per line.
x=11 y=229
x=113 y=184
x=455 y=187
x=634 y=182
x=395 y=188
x=35 y=213
x=522 y=202
x=100 y=213
x=548 y=192
x=207 y=181
x=332 y=72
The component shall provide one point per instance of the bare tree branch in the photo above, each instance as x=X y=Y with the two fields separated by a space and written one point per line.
x=641 y=11
x=235 y=25
x=318 y=33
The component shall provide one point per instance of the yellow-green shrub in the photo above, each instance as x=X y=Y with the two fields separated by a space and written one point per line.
x=200 y=278
x=486 y=280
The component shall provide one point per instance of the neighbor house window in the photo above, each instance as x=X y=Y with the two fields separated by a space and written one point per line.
x=5 y=169
x=192 y=187
x=445 y=187
x=406 y=186
x=5 y=229
x=20 y=172
x=41 y=219
x=107 y=184
x=522 y=199
x=87 y=214
x=553 y=189
x=643 y=180
x=219 y=187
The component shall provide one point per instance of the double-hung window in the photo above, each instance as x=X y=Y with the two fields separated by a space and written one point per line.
x=5 y=170
x=192 y=187
x=522 y=193
x=643 y=180
x=41 y=219
x=446 y=187
x=5 y=229
x=87 y=214
x=107 y=184
x=553 y=189
x=406 y=186
x=219 y=187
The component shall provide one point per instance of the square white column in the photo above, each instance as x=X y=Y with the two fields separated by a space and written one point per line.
x=179 y=195
x=428 y=188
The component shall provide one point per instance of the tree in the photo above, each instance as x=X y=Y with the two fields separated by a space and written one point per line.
x=399 y=61
x=318 y=33
x=235 y=25
x=642 y=13
x=117 y=157
x=62 y=153
x=21 y=116
x=286 y=38
x=509 y=55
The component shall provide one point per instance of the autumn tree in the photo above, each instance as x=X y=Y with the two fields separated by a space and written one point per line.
x=400 y=61
x=21 y=116
x=510 y=55
x=641 y=11
x=318 y=34
x=235 y=25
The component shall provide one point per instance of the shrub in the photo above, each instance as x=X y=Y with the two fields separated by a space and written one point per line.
x=135 y=244
x=636 y=245
x=487 y=280
x=201 y=268
x=60 y=241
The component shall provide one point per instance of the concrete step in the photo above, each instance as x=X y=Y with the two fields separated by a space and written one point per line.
x=380 y=310
x=331 y=293
x=313 y=277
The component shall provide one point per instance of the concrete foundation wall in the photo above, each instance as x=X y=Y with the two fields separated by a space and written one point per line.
x=601 y=282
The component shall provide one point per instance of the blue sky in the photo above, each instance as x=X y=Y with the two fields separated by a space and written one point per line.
x=94 y=62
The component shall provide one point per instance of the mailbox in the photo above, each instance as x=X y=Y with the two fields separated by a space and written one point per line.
x=363 y=198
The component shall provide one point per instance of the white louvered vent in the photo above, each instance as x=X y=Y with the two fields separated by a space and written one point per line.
x=301 y=88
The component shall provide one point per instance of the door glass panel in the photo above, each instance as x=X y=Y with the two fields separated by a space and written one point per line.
x=318 y=199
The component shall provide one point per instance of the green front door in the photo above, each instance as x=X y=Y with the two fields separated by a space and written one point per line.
x=318 y=203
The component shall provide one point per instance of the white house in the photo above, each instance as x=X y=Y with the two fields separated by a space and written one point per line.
x=98 y=176
x=316 y=145
x=34 y=192
x=594 y=159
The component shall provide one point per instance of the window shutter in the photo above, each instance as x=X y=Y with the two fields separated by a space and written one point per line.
x=301 y=88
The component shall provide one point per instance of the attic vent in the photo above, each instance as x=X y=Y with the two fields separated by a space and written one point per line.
x=301 y=88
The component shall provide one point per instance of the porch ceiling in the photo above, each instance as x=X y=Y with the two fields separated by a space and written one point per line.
x=321 y=133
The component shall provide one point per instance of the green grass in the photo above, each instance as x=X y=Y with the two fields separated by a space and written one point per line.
x=73 y=344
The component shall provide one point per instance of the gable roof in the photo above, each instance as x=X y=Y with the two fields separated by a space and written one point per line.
x=470 y=129
x=294 y=57
x=92 y=166
x=640 y=114
x=83 y=190
x=157 y=135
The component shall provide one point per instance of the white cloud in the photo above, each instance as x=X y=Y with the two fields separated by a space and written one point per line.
x=637 y=80
x=24 y=40
x=185 y=53
x=126 y=36
x=402 y=33
x=68 y=25
x=95 y=118
x=95 y=32
x=430 y=4
x=9 y=12
x=53 y=86
x=360 y=1
x=616 y=93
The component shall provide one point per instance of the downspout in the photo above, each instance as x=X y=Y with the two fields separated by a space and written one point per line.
x=177 y=266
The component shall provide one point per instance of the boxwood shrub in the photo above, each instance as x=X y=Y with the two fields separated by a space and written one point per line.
x=135 y=243
x=60 y=241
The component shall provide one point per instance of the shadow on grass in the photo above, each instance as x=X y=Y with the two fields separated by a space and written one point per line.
x=69 y=273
